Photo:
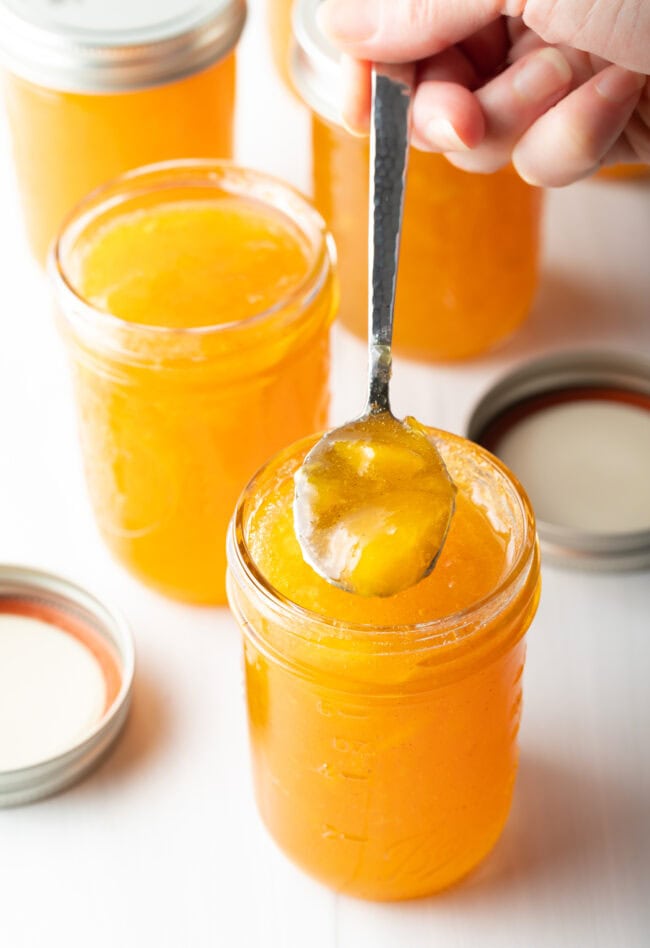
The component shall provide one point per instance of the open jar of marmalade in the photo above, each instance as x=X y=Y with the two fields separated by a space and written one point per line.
x=384 y=730
x=196 y=300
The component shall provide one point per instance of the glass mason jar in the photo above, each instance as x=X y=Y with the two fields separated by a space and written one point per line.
x=93 y=90
x=470 y=243
x=174 y=420
x=385 y=751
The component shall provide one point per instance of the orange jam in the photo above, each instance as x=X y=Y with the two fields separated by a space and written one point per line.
x=114 y=96
x=469 y=251
x=196 y=300
x=384 y=731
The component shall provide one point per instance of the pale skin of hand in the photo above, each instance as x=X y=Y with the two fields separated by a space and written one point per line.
x=557 y=87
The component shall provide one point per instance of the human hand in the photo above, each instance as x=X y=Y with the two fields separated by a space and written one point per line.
x=558 y=87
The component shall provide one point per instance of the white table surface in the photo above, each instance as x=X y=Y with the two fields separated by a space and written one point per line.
x=162 y=846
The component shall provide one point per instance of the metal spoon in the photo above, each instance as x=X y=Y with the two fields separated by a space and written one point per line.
x=373 y=499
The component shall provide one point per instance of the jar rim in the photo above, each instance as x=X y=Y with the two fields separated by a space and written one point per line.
x=314 y=63
x=190 y=172
x=76 y=51
x=428 y=633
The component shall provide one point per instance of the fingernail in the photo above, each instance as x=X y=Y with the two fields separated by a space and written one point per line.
x=541 y=75
x=352 y=21
x=354 y=130
x=617 y=85
x=442 y=135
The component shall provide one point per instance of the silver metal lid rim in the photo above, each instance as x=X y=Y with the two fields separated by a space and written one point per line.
x=626 y=371
x=74 y=63
x=19 y=788
x=44 y=778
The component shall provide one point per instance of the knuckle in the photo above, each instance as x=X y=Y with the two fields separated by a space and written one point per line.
x=579 y=146
x=419 y=16
x=616 y=30
x=478 y=161
x=543 y=17
x=421 y=13
x=643 y=106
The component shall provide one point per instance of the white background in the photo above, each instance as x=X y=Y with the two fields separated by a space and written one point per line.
x=162 y=847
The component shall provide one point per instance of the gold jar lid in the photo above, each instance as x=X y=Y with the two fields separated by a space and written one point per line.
x=117 y=46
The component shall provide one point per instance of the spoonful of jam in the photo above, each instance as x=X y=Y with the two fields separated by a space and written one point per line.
x=373 y=499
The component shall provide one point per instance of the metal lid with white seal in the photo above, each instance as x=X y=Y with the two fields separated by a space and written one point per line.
x=575 y=429
x=314 y=63
x=66 y=674
x=119 y=46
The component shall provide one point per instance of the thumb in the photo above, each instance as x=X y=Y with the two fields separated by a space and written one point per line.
x=406 y=30
x=617 y=31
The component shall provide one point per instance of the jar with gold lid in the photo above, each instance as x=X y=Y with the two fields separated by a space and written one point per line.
x=470 y=243
x=94 y=89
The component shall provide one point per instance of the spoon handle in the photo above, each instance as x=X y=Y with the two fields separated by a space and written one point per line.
x=389 y=133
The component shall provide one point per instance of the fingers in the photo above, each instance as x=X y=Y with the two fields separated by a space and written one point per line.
x=488 y=49
x=570 y=141
x=633 y=147
x=510 y=104
x=446 y=117
x=637 y=130
x=404 y=30
x=616 y=31
x=444 y=109
x=546 y=111
x=355 y=76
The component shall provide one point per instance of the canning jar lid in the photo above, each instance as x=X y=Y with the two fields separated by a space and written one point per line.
x=66 y=673
x=115 y=45
x=314 y=63
x=575 y=429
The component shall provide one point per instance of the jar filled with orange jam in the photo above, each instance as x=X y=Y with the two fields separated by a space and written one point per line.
x=624 y=172
x=470 y=243
x=196 y=299
x=384 y=731
x=95 y=88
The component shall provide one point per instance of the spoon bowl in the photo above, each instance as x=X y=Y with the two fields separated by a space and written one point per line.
x=373 y=504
